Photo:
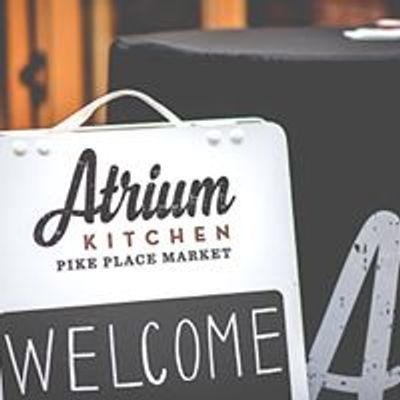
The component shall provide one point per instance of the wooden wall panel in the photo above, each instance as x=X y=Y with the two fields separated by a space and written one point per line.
x=54 y=28
x=224 y=14
x=43 y=42
x=65 y=58
x=349 y=12
x=102 y=34
x=17 y=56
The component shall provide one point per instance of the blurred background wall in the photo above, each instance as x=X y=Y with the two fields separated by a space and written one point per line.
x=54 y=53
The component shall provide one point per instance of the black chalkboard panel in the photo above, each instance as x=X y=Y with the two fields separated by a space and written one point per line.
x=215 y=347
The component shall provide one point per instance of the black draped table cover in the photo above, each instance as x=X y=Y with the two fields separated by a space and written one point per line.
x=339 y=102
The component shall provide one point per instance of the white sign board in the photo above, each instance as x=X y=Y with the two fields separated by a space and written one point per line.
x=151 y=262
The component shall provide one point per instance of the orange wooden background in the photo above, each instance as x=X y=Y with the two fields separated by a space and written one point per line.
x=61 y=37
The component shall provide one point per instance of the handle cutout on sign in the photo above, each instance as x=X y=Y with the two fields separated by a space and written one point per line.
x=76 y=120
